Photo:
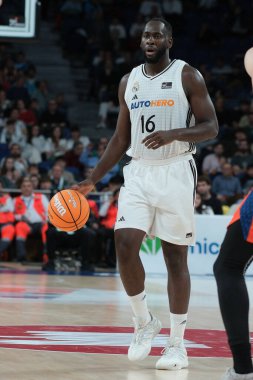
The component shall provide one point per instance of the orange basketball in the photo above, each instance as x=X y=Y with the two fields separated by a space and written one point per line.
x=68 y=210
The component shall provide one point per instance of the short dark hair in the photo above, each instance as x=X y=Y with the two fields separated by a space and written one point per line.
x=204 y=178
x=167 y=25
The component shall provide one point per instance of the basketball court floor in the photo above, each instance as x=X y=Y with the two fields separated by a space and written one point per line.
x=79 y=327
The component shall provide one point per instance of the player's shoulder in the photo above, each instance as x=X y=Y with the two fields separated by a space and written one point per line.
x=123 y=83
x=191 y=74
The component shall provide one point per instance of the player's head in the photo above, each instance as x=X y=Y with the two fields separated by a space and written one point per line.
x=156 y=39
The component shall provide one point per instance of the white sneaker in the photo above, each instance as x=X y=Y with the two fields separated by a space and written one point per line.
x=232 y=375
x=143 y=335
x=174 y=357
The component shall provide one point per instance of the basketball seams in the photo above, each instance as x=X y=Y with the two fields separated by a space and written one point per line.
x=80 y=202
x=68 y=208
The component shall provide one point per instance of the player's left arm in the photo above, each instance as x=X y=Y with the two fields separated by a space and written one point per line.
x=206 y=124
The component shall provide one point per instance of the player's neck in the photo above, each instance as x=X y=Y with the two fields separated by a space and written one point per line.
x=153 y=69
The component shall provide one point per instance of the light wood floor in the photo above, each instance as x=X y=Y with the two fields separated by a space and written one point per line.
x=44 y=314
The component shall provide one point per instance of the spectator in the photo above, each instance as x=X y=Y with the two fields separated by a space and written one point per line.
x=31 y=154
x=212 y=162
x=35 y=179
x=46 y=184
x=9 y=175
x=90 y=161
x=209 y=199
x=18 y=90
x=243 y=155
x=7 y=230
x=26 y=114
x=108 y=213
x=20 y=163
x=72 y=158
x=200 y=208
x=33 y=169
x=57 y=179
x=117 y=33
x=67 y=175
x=30 y=82
x=56 y=146
x=19 y=124
x=41 y=94
x=247 y=179
x=226 y=186
x=36 y=138
x=114 y=183
x=30 y=211
x=52 y=116
x=5 y=105
x=10 y=134
x=110 y=106
x=83 y=240
x=76 y=137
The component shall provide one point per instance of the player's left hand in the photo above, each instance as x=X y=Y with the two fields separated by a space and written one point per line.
x=157 y=139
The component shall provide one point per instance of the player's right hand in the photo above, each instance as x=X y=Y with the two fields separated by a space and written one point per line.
x=84 y=187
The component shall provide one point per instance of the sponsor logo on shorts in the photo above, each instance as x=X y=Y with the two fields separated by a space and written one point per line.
x=188 y=235
x=122 y=219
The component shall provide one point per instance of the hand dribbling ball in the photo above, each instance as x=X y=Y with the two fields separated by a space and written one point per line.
x=68 y=210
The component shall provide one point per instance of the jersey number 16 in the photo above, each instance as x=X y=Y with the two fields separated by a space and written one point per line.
x=148 y=126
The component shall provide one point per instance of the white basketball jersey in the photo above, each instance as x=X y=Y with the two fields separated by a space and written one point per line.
x=157 y=103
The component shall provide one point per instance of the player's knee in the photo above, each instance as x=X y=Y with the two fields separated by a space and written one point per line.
x=220 y=268
x=216 y=269
x=176 y=259
x=124 y=249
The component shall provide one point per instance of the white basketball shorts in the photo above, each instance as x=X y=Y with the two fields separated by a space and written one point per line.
x=158 y=198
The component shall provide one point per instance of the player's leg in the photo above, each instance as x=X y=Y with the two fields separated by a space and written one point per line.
x=234 y=257
x=128 y=242
x=175 y=356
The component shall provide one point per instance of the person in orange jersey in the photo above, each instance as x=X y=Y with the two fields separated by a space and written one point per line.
x=7 y=229
x=30 y=211
x=235 y=256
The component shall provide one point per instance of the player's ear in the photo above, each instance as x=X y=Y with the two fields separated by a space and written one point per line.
x=170 y=42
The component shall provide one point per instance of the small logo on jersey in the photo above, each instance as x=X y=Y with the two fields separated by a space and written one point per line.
x=166 y=85
x=135 y=97
x=122 y=219
x=188 y=235
x=136 y=87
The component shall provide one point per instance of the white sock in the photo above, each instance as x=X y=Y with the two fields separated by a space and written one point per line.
x=140 y=308
x=177 y=327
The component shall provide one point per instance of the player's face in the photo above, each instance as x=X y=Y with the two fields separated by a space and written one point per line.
x=155 y=41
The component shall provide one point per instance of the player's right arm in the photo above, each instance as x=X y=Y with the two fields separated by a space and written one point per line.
x=117 y=146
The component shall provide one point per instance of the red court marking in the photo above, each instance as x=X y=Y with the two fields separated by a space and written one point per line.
x=72 y=339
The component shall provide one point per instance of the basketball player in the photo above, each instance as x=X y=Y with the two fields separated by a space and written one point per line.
x=156 y=128
x=235 y=256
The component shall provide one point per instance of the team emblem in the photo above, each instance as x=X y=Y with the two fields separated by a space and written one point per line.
x=136 y=87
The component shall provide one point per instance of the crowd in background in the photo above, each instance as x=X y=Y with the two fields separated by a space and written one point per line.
x=40 y=146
